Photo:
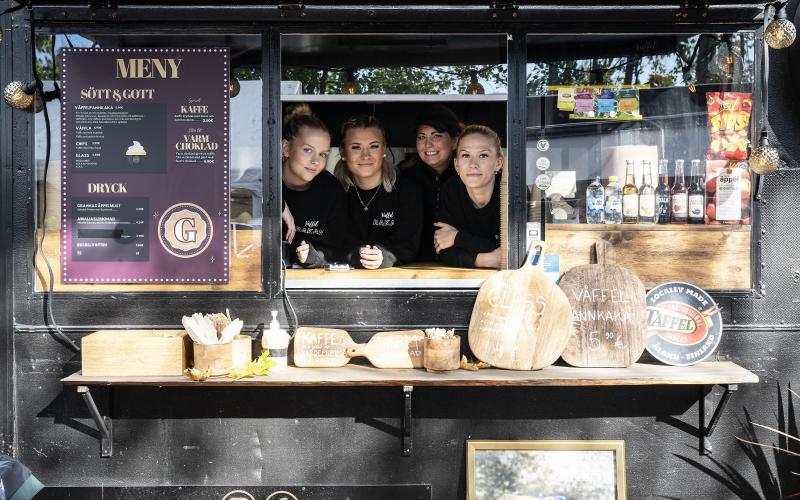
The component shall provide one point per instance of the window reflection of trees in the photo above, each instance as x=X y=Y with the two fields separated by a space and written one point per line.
x=700 y=58
x=576 y=475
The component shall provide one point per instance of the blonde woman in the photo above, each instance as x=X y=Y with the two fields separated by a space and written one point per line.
x=468 y=222
x=312 y=194
x=384 y=216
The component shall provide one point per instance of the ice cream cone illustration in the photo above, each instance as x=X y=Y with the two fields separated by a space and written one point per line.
x=135 y=153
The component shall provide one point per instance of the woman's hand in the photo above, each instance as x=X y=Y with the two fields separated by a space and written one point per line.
x=444 y=237
x=490 y=260
x=286 y=215
x=371 y=257
x=302 y=252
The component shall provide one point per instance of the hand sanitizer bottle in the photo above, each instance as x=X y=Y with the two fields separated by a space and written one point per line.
x=276 y=341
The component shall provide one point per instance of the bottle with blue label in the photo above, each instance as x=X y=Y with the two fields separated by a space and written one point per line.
x=613 y=208
x=595 y=202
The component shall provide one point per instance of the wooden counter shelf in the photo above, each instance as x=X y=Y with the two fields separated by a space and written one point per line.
x=710 y=373
x=702 y=375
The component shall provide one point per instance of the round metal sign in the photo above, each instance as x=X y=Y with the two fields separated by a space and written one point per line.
x=684 y=325
x=543 y=181
x=542 y=145
x=543 y=163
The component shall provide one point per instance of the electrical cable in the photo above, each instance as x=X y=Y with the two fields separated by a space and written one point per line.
x=39 y=246
x=15 y=8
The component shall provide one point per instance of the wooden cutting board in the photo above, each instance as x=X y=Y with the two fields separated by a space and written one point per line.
x=609 y=313
x=521 y=319
x=329 y=347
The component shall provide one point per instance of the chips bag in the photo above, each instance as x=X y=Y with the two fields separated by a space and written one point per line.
x=728 y=124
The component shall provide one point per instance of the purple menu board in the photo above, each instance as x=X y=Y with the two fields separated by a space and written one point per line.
x=144 y=166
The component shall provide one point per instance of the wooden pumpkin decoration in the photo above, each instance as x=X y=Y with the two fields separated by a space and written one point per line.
x=521 y=319
x=609 y=312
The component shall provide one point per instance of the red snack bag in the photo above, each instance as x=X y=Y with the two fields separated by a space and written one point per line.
x=728 y=124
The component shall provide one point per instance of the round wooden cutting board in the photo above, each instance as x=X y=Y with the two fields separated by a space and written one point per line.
x=521 y=319
x=609 y=312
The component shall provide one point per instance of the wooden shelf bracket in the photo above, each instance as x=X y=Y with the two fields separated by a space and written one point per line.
x=705 y=431
x=103 y=423
x=405 y=427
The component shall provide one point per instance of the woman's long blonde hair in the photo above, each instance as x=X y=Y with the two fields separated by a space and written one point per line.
x=388 y=170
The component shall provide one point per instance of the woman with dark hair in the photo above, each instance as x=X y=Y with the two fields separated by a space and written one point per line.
x=436 y=132
x=468 y=221
x=384 y=215
x=313 y=195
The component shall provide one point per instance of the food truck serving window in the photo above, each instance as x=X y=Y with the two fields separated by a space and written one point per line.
x=388 y=203
x=643 y=141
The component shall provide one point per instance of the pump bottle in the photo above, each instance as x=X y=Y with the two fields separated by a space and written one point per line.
x=276 y=341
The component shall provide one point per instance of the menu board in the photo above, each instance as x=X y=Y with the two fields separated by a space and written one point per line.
x=144 y=159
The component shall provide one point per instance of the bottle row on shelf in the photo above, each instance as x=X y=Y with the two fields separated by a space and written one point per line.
x=718 y=194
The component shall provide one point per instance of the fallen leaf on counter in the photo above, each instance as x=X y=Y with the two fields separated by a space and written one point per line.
x=259 y=367
x=472 y=366
x=196 y=375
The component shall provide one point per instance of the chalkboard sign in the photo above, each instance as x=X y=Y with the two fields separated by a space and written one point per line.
x=609 y=313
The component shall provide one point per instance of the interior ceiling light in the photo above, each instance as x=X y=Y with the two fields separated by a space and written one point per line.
x=780 y=32
x=351 y=86
x=475 y=88
x=233 y=87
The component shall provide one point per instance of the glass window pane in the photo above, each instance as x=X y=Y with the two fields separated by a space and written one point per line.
x=637 y=130
x=245 y=172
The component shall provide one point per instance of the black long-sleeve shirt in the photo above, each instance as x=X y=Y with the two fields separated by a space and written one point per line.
x=478 y=228
x=320 y=219
x=392 y=221
x=430 y=184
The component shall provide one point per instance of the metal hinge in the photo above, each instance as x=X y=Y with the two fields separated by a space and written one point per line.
x=292 y=8
x=504 y=7
x=692 y=9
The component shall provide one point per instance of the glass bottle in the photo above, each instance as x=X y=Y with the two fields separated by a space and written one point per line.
x=663 y=198
x=613 y=211
x=630 y=196
x=595 y=202
x=697 y=195
x=647 y=195
x=680 y=195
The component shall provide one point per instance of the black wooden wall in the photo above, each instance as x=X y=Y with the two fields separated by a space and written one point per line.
x=350 y=436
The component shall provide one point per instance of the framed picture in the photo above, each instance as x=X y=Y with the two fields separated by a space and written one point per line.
x=545 y=470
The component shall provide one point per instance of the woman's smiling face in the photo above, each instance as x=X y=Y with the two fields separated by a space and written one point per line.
x=477 y=161
x=433 y=147
x=363 y=151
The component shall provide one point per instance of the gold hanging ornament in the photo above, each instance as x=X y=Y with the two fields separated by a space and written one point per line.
x=764 y=159
x=780 y=32
x=18 y=95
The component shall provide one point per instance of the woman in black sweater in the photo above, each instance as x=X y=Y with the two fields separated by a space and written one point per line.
x=384 y=216
x=312 y=194
x=436 y=133
x=468 y=221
